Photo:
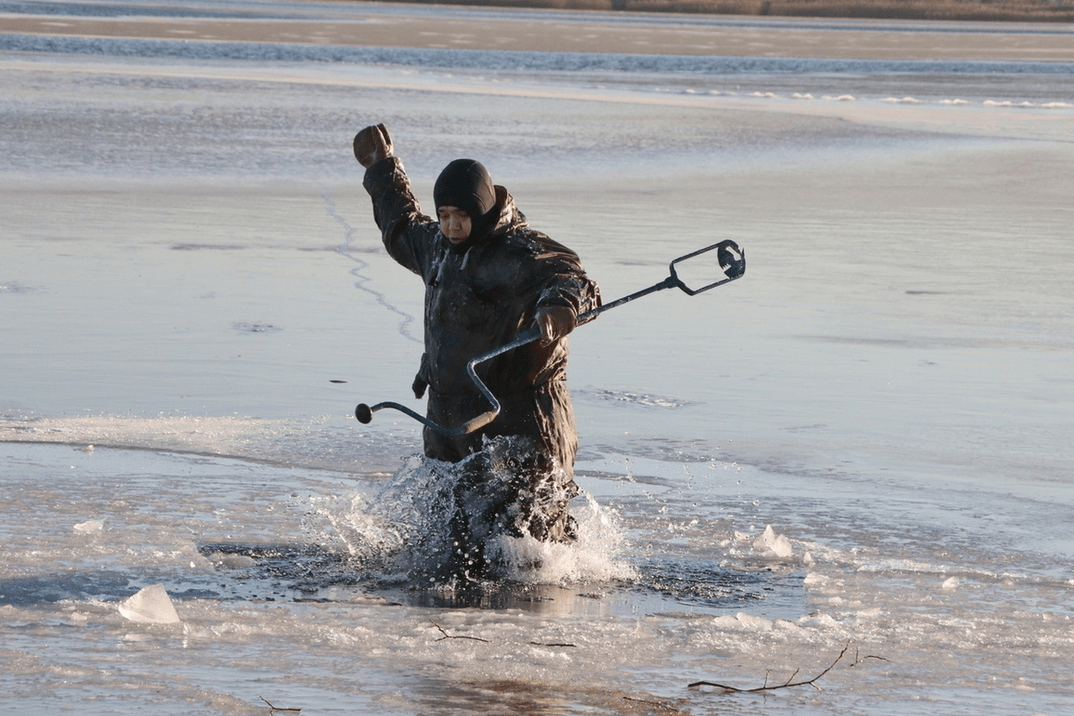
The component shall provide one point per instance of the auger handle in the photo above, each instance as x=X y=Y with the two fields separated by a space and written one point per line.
x=730 y=258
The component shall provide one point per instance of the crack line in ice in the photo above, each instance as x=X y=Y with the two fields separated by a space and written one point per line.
x=347 y=249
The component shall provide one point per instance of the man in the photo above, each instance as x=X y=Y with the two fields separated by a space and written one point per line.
x=488 y=276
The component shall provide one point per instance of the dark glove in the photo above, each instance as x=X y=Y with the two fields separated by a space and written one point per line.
x=420 y=381
x=419 y=385
x=555 y=322
x=372 y=144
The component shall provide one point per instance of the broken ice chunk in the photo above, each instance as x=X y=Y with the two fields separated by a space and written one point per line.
x=89 y=526
x=151 y=605
x=771 y=542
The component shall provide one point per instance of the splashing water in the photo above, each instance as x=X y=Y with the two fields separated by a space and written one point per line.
x=405 y=532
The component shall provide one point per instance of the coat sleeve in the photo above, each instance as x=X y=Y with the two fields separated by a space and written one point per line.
x=410 y=237
x=563 y=281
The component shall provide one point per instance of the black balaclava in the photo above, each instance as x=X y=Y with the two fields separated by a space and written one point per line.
x=466 y=184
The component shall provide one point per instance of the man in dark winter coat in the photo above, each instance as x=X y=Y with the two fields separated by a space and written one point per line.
x=488 y=276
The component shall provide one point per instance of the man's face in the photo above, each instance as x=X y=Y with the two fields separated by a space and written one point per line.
x=454 y=223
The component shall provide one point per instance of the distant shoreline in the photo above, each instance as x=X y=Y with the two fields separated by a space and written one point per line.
x=365 y=24
x=946 y=10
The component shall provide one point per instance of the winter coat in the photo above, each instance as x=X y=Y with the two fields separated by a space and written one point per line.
x=478 y=298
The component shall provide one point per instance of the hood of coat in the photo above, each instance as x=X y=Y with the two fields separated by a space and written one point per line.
x=503 y=217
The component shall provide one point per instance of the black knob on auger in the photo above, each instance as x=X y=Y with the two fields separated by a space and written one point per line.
x=732 y=259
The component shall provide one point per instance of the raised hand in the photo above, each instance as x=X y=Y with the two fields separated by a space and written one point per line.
x=372 y=144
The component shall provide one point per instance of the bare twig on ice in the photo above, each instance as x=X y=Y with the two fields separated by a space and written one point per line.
x=277 y=710
x=452 y=636
x=790 y=682
x=859 y=659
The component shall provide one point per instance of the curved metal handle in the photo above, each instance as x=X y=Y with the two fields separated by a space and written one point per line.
x=364 y=413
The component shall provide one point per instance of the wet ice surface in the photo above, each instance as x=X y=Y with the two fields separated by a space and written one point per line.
x=866 y=440
x=273 y=603
x=250 y=559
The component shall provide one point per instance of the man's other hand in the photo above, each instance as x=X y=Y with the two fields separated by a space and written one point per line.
x=555 y=322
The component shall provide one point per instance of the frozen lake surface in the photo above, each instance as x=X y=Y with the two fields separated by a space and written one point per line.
x=866 y=441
